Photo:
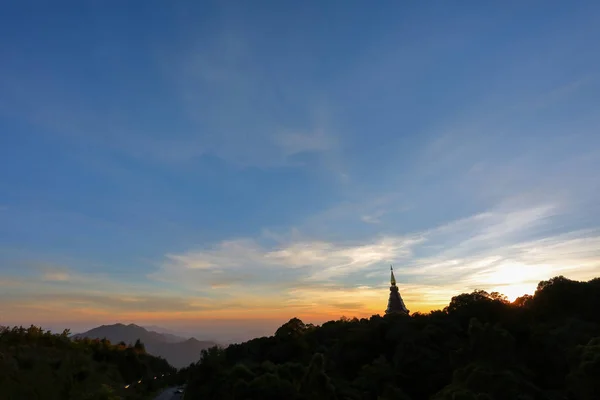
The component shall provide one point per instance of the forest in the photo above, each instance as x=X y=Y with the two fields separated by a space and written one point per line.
x=38 y=364
x=479 y=347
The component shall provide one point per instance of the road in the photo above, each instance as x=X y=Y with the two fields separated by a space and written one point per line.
x=169 y=394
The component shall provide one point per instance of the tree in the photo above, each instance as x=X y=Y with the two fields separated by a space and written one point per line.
x=35 y=363
x=583 y=380
x=480 y=347
x=294 y=327
x=523 y=301
x=139 y=346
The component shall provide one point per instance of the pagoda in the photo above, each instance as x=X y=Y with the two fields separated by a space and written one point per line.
x=395 y=303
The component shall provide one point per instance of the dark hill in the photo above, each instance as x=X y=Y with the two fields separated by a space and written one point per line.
x=125 y=333
x=179 y=352
x=37 y=364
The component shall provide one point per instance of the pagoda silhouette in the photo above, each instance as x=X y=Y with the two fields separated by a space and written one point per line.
x=395 y=303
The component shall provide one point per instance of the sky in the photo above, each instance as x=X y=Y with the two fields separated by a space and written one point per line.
x=221 y=167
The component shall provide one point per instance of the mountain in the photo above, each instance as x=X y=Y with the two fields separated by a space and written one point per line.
x=126 y=333
x=170 y=335
x=178 y=351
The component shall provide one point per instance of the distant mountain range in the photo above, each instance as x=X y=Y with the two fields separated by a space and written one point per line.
x=161 y=330
x=178 y=351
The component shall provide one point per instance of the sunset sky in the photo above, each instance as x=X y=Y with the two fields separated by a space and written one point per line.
x=220 y=167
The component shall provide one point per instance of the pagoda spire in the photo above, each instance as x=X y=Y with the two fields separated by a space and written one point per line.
x=395 y=302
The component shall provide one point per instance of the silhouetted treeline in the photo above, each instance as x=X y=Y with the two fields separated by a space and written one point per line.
x=37 y=364
x=481 y=346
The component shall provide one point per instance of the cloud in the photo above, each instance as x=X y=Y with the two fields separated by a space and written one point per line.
x=349 y=305
x=229 y=109
x=381 y=213
x=299 y=261
x=240 y=105
x=372 y=218
x=120 y=303
x=65 y=291
x=490 y=229
x=507 y=249
x=56 y=276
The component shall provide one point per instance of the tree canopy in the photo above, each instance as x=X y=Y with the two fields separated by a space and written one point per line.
x=481 y=346
x=38 y=364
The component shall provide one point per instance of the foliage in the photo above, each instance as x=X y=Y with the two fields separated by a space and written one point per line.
x=481 y=346
x=37 y=364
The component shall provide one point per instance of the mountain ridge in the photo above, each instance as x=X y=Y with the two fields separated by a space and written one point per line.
x=178 y=351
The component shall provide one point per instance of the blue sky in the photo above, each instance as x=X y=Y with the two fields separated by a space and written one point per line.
x=229 y=159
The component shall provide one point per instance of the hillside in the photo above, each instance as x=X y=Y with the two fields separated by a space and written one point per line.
x=481 y=346
x=169 y=335
x=179 y=352
x=36 y=364
x=125 y=333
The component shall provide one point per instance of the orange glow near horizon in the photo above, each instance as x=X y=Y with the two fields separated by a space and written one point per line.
x=40 y=314
x=312 y=305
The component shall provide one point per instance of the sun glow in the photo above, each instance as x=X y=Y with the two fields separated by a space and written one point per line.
x=513 y=291
x=515 y=279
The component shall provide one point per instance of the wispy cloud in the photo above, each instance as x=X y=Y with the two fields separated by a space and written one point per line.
x=301 y=260
x=372 y=218
x=230 y=96
x=226 y=111
x=504 y=249
x=56 y=276
x=121 y=303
